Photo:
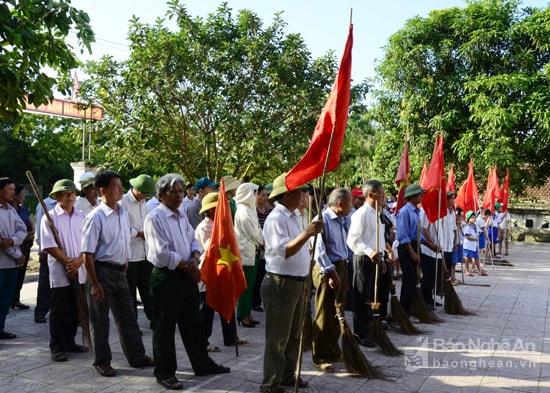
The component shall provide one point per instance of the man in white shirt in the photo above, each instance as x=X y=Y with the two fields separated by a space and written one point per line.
x=503 y=229
x=139 y=269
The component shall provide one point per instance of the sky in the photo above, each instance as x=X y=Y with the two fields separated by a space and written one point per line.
x=322 y=23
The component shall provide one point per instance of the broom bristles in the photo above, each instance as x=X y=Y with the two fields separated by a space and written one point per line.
x=400 y=316
x=353 y=358
x=379 y=336
x=420 y=310
x=453 y=304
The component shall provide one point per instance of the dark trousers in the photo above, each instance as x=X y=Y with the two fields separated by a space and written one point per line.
x=362 y=293
x=63 y=319
x=176 y=303
x=260 y=273
x=229 y=330
x=43 y=294
x=138 y=275
x=384 y=282
x=21 y=272
x=119 y=302
x=428 y=266
x=408 y=278
x=8 y=278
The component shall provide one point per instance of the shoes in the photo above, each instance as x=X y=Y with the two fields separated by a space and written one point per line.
x=19 y=305
x=146 y=362
x=414 y=319
x=245 y=324
x=324 y=367
x=105 y=370
x=259 y=309
x=7 y=336
x=365 y=342
x=483 y=274
x=170 y=383
x=213 y=348
x=78 y=349
x=385 y=324
x=292 y=382
x=505 y=253
x=41 y=319
x=254 y=322
x=59 y=357
x=240 y=341
x=217 y=369
x=469 y=274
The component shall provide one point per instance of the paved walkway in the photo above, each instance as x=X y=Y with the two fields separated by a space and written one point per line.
x=503 y=347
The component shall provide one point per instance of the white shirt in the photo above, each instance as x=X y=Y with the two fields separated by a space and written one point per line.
x=106 y=234
x=13 y=227
x=362 y=232
x=83 y=204
x=281 y=226
x=442 y=232
x=137 y=211
x=504 y=220
x=69 y=228
x=169 y=237
x=152 y=203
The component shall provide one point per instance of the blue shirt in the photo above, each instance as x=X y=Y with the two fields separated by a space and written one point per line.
x=336 y=232
x=407 y=224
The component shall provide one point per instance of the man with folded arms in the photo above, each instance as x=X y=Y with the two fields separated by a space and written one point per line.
x=174 y=251
x=106 y=248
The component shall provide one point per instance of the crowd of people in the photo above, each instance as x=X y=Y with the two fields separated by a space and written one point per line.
x=99 y=242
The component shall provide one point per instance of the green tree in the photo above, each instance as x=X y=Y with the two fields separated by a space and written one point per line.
x=220 y=95
x=32 y=37
x=478 y=75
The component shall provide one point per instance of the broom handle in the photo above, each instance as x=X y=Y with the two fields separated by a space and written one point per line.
x=45 y=209
x=377 y=237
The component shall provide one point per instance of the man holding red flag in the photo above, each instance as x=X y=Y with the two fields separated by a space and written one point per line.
x=403 y=178
x=174 y=251
x=283 y=287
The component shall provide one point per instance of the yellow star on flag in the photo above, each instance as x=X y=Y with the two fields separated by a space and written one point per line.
x=227 y=257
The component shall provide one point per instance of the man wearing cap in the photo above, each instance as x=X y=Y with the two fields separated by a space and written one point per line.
x=88 y=200
x=409 y=236
x=13 y=232
x=367 y=253
x=139 y=269
x=174 y=251
x=330 y=278
x=43 y=294
x=106 y=248
x=65 y=262
x=283 y=287
x=203 y=186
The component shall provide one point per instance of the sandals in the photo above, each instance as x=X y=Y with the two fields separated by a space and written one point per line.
x=469 y=274
x=214 y=348
x=324 y=367
x=7 y=336
x=483 y=274
x=105 y=370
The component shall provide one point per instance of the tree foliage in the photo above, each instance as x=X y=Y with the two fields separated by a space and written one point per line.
x=480 y=76
x=220 y=95
x=32 y=37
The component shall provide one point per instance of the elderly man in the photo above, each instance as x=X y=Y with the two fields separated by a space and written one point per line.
x=283 y=287
x=13 y=232
x=139 y=269
x=88 y=199
x=203 y=187
x=106 y=248
x=174 y=251
x=65 y=261
x=367 y=253
x=330 y=278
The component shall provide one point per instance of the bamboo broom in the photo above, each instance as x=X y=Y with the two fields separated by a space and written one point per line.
x=453 y=304
x=376 y=330
x=400 y=316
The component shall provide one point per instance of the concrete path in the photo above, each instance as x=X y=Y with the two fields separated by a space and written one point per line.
x=503 y=347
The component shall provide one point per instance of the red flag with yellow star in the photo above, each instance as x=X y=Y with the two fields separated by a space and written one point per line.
x=222 y=271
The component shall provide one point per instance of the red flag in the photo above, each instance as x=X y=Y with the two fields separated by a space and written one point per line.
x=451 y=179
x=505 y=191
x=467 y=196
x=222 y=269
x=330 y=127
x=403 y=177
x=493 y=190
x=76 y=86
x=435 y=198
x=423 y=174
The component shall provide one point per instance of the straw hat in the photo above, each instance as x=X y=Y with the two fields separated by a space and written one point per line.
x=231 y=183
x=279 y=186
x=209 y=201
